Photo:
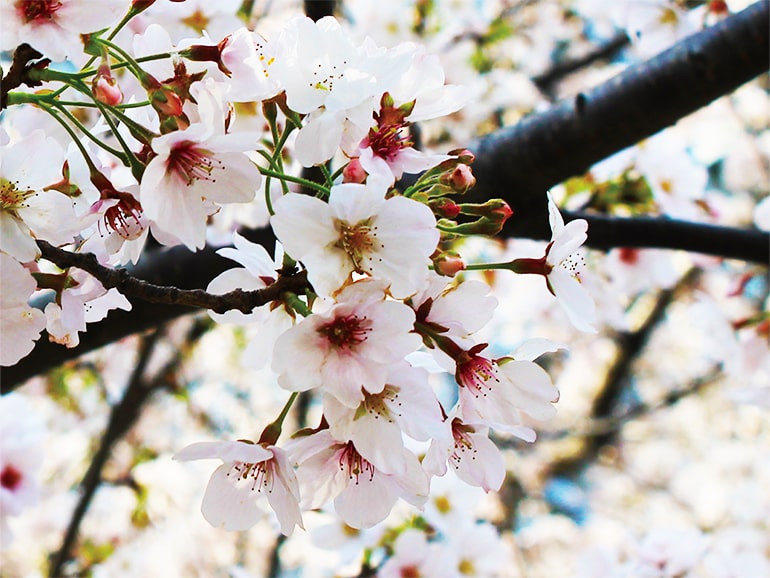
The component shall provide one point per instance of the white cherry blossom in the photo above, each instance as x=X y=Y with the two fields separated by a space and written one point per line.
x=248 y=472
x=407 y=405
x=361 y=231
x=27 y=210
x=473 y=456
x=564 y=267
x=20 y=324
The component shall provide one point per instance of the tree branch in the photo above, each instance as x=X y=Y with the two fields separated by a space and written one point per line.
x=521 y=162
x=244 y=301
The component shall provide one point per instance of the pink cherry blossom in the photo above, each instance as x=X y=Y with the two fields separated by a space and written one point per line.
x=349 y=350
x=363 y=495
x=54 y=26
x=361 y=231
x=195 y=169
x=473 y=456
x=407 y=405
x=497 y=392
x=248 y=472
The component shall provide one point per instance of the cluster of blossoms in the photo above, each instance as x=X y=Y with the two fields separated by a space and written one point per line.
x=168 y=152
x=187 y=140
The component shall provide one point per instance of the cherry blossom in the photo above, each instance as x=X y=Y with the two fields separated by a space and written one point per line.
x=20 y=324
x=413 y=555
x=230 y=501
x=258 y=270
x=193 y=170
x=21 y=453
x=82 y=300
x=27 y=210
x=349 y=350
x=562 y=267
x=54 y=26
x=363 y=495
x=360 y=231
x=497 y=392
x=407 y=405
x=473 y=456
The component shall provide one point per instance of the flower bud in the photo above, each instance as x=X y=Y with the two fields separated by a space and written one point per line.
x=105 y=88
x=460 y=179
x=444 y=207
x=354 y=172
x=448 y=264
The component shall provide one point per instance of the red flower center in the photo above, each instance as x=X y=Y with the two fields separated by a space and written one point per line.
x=10 y=478
x=192 y=163
x=31 y=10
x=346 y=332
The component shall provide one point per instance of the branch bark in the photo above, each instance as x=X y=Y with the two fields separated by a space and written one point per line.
x=521 y=162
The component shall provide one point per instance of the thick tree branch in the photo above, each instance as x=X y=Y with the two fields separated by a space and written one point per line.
x=520 y=163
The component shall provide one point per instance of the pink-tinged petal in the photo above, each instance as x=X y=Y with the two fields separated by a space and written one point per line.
x=283 y=496
x=480 y=465
x=414 y=485
x=366 y=502
x=234 y=179
x=230 y=505
x=574 y=299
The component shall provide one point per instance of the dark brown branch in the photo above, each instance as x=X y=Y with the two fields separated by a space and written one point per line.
x=609 y=49
x=520 y=163
x=245 y=301
x=17 y=74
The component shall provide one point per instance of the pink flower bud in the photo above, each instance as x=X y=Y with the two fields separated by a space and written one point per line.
x=448 y=264
x=460 y=179
x=106 y=90
x=354 y=172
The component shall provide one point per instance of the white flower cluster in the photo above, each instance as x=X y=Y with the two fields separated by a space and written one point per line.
x=168 y=152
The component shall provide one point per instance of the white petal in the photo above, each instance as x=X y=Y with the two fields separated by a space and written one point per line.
x=230 y=504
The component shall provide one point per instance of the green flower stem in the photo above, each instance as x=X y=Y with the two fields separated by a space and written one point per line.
x=296 y=304
x=298 y=180
x=489 y=266
x=53 y=112
x=131 y=63
x=137 y=168
x=81 y=127
x=327 y=175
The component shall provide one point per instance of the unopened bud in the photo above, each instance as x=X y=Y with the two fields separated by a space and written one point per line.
x=138 y=6
x=354 y=172
x=448 y=264
x=106 y=90
x=463 y=155
x=444 y=207
x=460 y=179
